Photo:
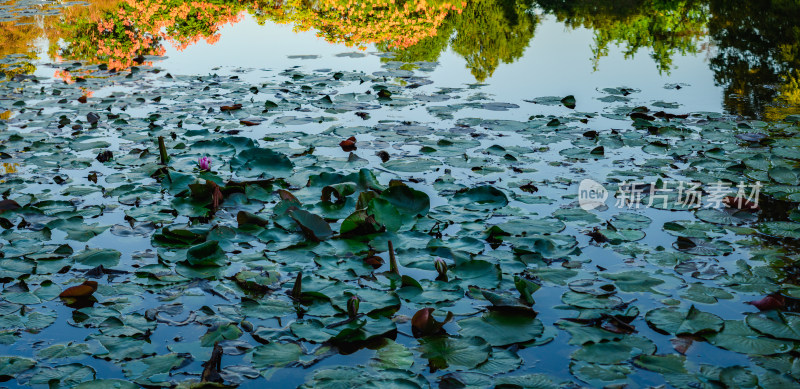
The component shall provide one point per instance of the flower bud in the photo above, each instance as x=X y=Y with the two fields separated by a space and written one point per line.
x=297 y=289
x=352 y=306
x=441 y=267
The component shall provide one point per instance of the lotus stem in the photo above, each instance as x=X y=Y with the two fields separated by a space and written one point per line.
x=393 y=260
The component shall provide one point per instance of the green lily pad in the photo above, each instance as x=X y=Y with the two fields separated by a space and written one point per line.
x=219 y=333
x=538 y=381
x=454 y=353
x=64 y=350
x=738 y=337
x=97 y=257
x=777 y=324
x=106 y=384
x=664 y=364
x=153 y=370
x=262 y=163
x=206 y=254
x=406 y=200
x=502 y=328
x=693 y=321
x=615 y=351
x=63 y=375
x=781 y=229
x=77 y=229
x=313 y=226
x=11 y=366
x=276 y=355
x=480 y=198
x=393 y=356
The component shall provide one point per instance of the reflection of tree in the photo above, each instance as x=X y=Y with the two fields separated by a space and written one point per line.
x=427 y=48
x=392 y=23
x=17 y=52
x=787 y=101
x=129 y=29
x=663 y=26
x=485 y=33
x=493 y=31
x=757 y=61
x=19 y=36
x=113 y=39
x=758 y=56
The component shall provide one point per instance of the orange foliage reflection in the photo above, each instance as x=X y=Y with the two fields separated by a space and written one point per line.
x=121 y=34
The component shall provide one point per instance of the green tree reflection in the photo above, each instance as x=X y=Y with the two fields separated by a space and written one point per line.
x=665 y=27
x=754 y=45
x=489 y=32
x=758 y=56
x=485 y=33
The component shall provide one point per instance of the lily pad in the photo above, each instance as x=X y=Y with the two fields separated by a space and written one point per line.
x=206 y=254
x=738 y=337
x=674 y=321
x=261 y=163
x=502 y=328
x=776 y=324
x=98 y=257
x=454 y=353
x=480 y=198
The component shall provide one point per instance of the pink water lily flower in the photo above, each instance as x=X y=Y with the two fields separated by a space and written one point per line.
x=204 y=163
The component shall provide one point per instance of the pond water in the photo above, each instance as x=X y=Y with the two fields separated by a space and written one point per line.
x=276 y=193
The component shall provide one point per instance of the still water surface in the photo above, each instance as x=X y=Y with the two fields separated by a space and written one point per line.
x=738 y=57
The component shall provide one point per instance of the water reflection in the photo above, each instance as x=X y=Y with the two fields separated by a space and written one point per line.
x=758 y=56
x=752 y=45
x=665 y=28
x=485 y=33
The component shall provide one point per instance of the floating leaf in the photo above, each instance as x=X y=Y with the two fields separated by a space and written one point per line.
x=693 y=321
x=406 y=200
x=776 y=324
x=219 y=333
x=480 y=198
x=664 y=364
x=454 y=353
x=152 y=370
x=393 y=356
x=502 y=328
x=206 y=254
x=63 y=375
x=313 y=226
x=64 y=350
x=738 y=337
x=98 y=257
x=11 y=366
x=276 y=355
x=83 y=290
x=107 y=383
x=263 y=163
